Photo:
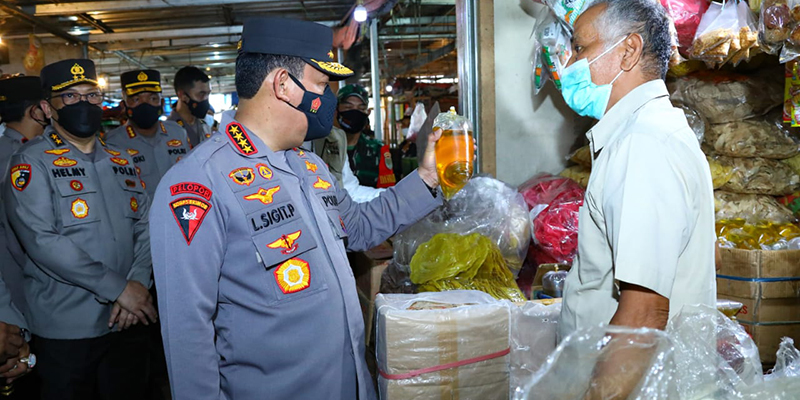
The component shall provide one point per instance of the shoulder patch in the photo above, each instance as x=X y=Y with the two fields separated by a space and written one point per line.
x=131 y=132
x=57 y=152
x=57 y=139
x=21 y=176
x=174 y=143
x=163 y=128
x=189 y=213
x=119 y=161
x=240 y=139
x=64 y=162
x=112 y=152
x=190 y=188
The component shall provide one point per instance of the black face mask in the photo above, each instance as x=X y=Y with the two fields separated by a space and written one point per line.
x=38 y=121
x=199 y=109
x=318 y=109
x=352 y=121
x=145 y=115
x=81 y=119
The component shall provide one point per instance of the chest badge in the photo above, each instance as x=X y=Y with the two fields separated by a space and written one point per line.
x=112 y=152
x=57 y=152
x=287 y=243
x=79 y=208
x=265 y=196
x=189 y=213
x=293 y=276
x=264 y=171
x=20 y=176
x=242 y=176
x=311 y=166
x=132 y=152
x=321 y=184
x=134 y=204
x=64 y=162
x=119 y=161
x=76 y=186
x=174 y=143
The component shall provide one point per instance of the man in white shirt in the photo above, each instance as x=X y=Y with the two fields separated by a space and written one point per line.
x=646 y=228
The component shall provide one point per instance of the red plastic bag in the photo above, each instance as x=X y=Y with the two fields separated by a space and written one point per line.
x=686 y=14
x=554 y=204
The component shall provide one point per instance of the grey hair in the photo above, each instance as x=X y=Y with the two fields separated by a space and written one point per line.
x=649 y=19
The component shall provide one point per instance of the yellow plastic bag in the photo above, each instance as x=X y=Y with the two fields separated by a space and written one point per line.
x=720 y=174
x=450 y=261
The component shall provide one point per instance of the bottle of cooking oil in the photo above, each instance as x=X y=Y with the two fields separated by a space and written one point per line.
x=455 y=152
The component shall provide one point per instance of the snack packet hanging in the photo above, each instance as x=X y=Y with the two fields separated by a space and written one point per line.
x=775 y=25
x=556 y=52
x=717 y=35
x=748 y=35
x=686 y=15
x=567 y=10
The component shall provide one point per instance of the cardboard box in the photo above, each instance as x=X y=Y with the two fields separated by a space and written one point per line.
x=436 y=331
x=786 y=310
x=760 y=263
x=768 y=338
x=782 y=289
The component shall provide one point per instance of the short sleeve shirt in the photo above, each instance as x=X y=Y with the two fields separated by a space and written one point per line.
x=648 y=216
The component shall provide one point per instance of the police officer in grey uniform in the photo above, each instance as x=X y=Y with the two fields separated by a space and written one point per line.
x=257 y=298
x=24 y=119
x=80 y=213
x=193 y=90
x=154 y=145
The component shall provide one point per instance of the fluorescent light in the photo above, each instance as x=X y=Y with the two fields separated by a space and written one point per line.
x=389 y=88
x=391 y=99
x=360 y=13
x=216 y=45
x=72 y=18
x=102 y=81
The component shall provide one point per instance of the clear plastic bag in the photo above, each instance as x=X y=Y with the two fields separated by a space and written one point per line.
x=775 y=24
x=534 y=332
x=486 y=206
x=554 y=39
x=751 y=138
x=760 y=176
x=417 y=120
x=696 y=120
x=418 y=335
x=686 y=15
x=568 y=10
x=554 y=204
x=717 y=35
x=726 y=97
x=720 y=174
x=750 y=207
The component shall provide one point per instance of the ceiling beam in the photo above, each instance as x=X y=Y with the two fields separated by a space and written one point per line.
x=127 y=5
x=161 y=34
x=428 y=58
x=150 y=44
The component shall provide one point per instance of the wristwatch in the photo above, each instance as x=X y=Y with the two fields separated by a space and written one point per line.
x=30 y=360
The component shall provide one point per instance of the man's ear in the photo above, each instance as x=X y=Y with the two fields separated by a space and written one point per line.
x=634 y=47
x=280 y=85
x=48 y=111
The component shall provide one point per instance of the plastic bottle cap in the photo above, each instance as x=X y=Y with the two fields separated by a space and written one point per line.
x=452 y=109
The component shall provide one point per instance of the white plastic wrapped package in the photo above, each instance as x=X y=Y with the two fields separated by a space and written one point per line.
x=534 y=332
x=451 y=345
x=783 y=383
x=701 y=355
x=417 y=120
x=486 y=206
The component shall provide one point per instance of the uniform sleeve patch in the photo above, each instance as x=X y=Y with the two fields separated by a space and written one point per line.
x=189 y=213
x=21 y=176
x=190 y=188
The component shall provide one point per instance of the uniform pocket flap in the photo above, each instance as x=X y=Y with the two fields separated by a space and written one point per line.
x=75 y=186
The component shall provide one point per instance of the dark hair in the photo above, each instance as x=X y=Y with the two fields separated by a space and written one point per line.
x=187 y=76
x=15 y=111
x=253 y=68
x=649 y=19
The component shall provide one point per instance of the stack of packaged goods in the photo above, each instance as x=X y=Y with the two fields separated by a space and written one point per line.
x=750 y=152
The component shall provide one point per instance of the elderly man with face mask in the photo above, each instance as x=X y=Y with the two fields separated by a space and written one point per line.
x=257 y=298
x=647 y=224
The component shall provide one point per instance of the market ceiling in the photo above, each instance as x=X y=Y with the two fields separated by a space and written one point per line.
x=169 y=34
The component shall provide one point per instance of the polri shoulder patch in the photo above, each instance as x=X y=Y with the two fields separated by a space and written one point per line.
x=240 y=139
x=56 y=139
x=131 y=132
x=189 y=213
x=20 y=176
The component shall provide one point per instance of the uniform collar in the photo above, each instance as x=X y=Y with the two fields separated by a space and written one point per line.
x=58 y=142
x=606 y=129
x=131 y=131
x=248 y=144
x=14 y=134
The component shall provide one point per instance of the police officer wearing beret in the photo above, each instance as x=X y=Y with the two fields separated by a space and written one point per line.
x=154 y=145
x=80 y=213
x=256 y=295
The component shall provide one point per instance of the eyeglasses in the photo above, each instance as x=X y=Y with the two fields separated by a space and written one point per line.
x=71 y=98
x=150 y=98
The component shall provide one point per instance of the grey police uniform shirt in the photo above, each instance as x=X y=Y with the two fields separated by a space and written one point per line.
x=9 y=313
x=197 y=132
x=11 y=256
x=153 y=156
x=82 y=221
x=256 y=295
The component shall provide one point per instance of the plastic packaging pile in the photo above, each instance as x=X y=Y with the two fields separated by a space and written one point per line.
x=727 y=33
x=739 y=234
x=554 y=204
x=701 y=355
x=780 y=28
x=485 y=206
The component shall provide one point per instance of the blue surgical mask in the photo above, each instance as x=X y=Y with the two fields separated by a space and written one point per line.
x=581 y=94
